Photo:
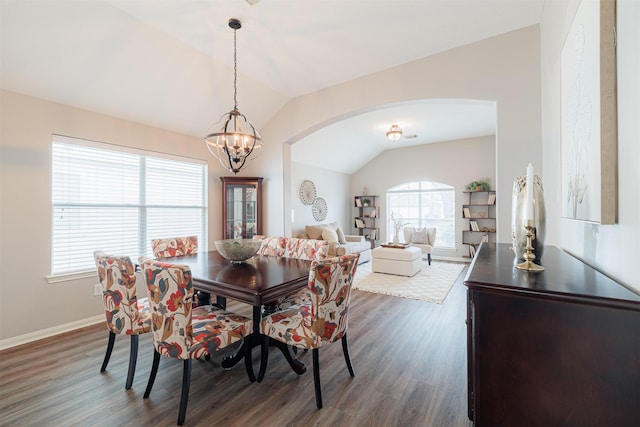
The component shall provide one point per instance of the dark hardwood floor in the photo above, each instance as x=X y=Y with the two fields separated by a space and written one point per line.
x=409 y=359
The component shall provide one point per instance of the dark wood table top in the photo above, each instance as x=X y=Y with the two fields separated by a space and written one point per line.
x=565 y=277
x=259 y=280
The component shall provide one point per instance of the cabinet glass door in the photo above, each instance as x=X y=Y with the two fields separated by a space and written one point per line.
x=241 y=207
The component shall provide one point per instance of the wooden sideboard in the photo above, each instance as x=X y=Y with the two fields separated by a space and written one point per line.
x=560 y=347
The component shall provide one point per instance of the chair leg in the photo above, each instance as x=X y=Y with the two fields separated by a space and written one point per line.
x=221 y=302
x=264 y=357
x=107 y=356
x=133 y=356
x=152 y=375
x=429 y=258
x=316 y=377
x=248 y=362
x=345 y=350
x=186 y=382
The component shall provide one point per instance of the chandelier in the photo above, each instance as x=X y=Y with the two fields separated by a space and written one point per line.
x=232 y=139
x=394 y=133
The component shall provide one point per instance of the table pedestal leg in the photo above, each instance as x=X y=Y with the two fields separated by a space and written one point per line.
x=297 y=366
x=254 y=340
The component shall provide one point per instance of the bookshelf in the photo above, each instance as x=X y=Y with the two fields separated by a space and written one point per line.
x=367 y=214
x=480 y=212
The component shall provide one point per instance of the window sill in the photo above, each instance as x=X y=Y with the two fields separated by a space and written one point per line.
x=58 y=278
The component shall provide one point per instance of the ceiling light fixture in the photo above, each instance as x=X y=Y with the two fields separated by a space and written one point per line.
x=394 y=133
x=233 y=138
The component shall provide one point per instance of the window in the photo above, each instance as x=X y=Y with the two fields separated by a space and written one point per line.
x=117 y=199
x=424 y=204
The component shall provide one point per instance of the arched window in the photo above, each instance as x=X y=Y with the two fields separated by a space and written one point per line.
x=424 y=204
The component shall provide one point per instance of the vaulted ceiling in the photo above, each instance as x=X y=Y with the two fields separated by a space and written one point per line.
x=169 y=63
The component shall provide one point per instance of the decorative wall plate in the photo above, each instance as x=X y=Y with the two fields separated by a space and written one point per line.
x=307 y=192
x=319 y=209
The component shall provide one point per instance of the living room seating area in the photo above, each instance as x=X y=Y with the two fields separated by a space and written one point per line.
x=339 y=243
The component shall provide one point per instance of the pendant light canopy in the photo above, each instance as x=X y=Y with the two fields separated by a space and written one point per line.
x=233 y=138
x=394 y=133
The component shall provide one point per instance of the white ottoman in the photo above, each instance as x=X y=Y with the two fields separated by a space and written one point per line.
x=403 y=262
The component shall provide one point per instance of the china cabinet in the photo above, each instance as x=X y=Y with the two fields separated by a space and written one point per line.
x=241 y=207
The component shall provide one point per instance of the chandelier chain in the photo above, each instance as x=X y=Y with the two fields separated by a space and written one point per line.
x=233 y=139
x=235 y=71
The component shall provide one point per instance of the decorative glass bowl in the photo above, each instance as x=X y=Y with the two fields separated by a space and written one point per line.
x=238 y=250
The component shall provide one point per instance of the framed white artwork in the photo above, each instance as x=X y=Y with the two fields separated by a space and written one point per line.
x=589 y=115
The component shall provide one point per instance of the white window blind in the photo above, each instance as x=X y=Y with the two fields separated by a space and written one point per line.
x=116 y=200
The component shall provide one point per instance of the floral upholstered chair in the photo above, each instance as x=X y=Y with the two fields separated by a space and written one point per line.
x=175 y=246
x=180 y=246
x=183 y=332
x=307 y=248
x=126 y=314
x=321 y=321
x=273 y=246
x=292 y=247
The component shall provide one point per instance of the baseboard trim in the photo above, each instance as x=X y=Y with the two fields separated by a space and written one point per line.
x=49 y=332
x=451 y=258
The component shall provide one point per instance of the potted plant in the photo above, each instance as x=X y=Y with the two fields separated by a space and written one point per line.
x=479 y=186
x=365 y=202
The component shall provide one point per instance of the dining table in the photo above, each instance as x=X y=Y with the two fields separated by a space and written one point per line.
x=259 y=281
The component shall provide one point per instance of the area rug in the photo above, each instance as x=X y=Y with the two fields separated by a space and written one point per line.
x=432 y=283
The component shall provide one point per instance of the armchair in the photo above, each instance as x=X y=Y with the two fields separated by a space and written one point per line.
x=422 y=238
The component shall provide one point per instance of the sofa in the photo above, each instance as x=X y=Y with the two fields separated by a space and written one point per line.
x=339 y=243
x=422 y=238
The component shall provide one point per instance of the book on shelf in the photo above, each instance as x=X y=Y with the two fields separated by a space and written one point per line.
x=373 y=213
x=472 y=250
x=467 y=213
x=485 y=238
x=359 y=223
x=492 y=199
x=474 y=226
x=358 y=202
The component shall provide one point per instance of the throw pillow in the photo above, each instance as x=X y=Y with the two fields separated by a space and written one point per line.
x=341 y=239
x=420 y=236
x=329 y=234
x=314 y=231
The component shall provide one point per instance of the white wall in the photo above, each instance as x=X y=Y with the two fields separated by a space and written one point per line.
x=330 y=185
x=504 y=69
x=609 y=248
x=28 y=303
x=455 y=163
